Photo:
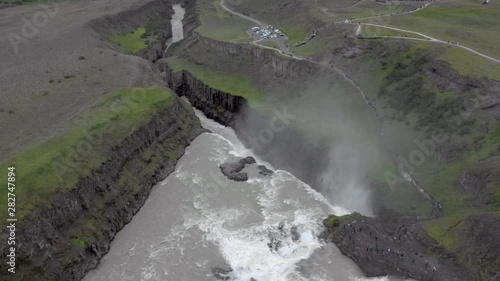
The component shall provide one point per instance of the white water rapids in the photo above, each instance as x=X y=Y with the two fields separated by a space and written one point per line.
x=177 y=25
x=197 y=220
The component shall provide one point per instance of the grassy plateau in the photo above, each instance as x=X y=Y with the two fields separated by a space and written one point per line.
x=132 y=42
x=217 y=24
x=231 y=83
x=58 y=164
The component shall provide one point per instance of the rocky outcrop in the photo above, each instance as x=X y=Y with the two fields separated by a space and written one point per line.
x=68 y=235
x=263 y=170
x=481 y=247
x=479 y=183
x=399 y=247
x=232 y=170
x=191 y=20
x=294 y=234
x=222 y=272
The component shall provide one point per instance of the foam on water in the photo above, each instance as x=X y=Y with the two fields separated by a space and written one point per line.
x=370 y=279
x=284 y=201
x=247 y=251
x=177 y=25
x=252 y=226
x=237 y=148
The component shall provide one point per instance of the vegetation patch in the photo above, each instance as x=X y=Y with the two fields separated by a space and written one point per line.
x=460 y=235
x=78 y=242
x=445 y=96
x=319 y=44
x=335 y=221
x=446 y=231
x=295 y=33
x=231 y=83
x=470 y=23
x=469 y=64
x=368 y=30
x=442 y=182
x=270 y=44
x=8 y=3
x=220 y=25
x=406 y=91
x=495 y=136
x=58 y=164
x=367 y=9
x=426 y=108
x=133 y=42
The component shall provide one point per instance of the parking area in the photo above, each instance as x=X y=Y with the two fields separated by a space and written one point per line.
x=267 y=32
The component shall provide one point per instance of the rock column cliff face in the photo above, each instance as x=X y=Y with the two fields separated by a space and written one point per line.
x=233 y=111
x=215 y=104
x=301 y=151
x=190 y=21
x=283 y=66
x=68 y=237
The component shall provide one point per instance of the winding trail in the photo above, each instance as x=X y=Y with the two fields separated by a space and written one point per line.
x=348 y=7
x=229 y=10
x=326 y=10
x=429 y=39
x=397 y=14
x=403 y=173
x=282 y=47
x=358 y=32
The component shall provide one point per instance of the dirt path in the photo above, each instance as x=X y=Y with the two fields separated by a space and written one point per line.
x=398 y=14
x=283 y=49
x=429 y=39
x=403 y=174
x=326 y=10
x=229 y=10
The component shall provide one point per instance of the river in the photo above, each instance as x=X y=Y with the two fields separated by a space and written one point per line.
x=196 y=220
x=177 y=25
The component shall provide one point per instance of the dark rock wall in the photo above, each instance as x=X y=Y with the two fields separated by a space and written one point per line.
x=154 y=14
x=398 y=248
x=217 y=105
x=101 y=204
x=282 y=66
x=287 y=148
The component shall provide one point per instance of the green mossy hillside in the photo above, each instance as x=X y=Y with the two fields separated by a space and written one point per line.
x=58 y=164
